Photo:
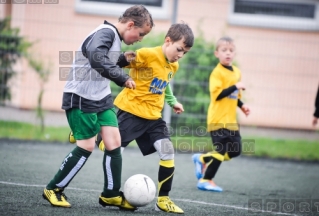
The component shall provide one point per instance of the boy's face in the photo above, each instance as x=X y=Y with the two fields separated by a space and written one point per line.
x=174 y=50
x=225 y=53
x=134 y=34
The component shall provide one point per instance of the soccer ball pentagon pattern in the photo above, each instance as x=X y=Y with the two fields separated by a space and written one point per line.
x=139 y=190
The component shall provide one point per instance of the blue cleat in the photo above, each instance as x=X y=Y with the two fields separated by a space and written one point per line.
x=199 y=166
x=208 y=186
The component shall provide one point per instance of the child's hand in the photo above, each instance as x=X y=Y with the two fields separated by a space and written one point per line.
x=240 y=85
x=130 y=56
x=130 y=84
x=178 y=108
x=245 y=109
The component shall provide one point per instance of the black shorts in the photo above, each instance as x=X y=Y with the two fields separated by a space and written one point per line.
x=146 y=132
x=225 y=140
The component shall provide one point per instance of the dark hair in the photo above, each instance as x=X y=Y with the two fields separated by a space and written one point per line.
x=181 y=30
x=223 y=39
x=139 y=15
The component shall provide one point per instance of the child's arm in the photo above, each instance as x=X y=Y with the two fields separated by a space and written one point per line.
x=243 y=107
x=125 y=58
x=136 y=59
x=172 y=101
x=169 y=97
x=97 y=49
x=240 y=103
x=226 y=92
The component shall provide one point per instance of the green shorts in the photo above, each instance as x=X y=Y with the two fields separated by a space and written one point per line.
x=87 y=125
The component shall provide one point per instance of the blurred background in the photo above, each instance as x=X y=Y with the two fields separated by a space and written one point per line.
x=277 y=51
x=277 y=45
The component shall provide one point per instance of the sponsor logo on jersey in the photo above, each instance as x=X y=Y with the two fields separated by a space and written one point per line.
x=158 y=86
x=234 y=95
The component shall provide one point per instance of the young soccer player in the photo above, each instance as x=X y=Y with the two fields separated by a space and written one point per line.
x=224 y=87
x=139 y=113
x=89 y=109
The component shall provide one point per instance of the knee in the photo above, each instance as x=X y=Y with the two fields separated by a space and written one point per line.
x=165 y=149
x=86 y=144
x=111 y=142
x=167 y=157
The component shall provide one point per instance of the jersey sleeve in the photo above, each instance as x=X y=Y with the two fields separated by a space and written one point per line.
x=141 y=59
x=226 y=92
x=169 y=96
x=97 y=52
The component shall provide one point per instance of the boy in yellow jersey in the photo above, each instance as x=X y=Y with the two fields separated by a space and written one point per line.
x=224 y=87
x=139 y=114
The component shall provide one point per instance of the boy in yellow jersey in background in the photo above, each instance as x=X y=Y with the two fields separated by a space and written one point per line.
x=139 y=114
x=224 y=87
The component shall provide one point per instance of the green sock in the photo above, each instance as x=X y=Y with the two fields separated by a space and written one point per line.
x=70 y=166
x=112 y=168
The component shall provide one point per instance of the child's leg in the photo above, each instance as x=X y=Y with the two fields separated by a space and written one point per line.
x=213 y=161
x=85 y=130
x=112 y=162
x=235 y=147
x=71 y=165
x=165 y=149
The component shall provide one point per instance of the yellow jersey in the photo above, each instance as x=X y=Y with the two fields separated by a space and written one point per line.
x=222 y=113
x=151 y=73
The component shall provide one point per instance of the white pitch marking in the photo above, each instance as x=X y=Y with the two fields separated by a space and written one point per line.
x=182 y=200
x=26 y=185
x=230 y=206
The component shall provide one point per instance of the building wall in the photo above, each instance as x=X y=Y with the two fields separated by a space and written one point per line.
x=279 y=67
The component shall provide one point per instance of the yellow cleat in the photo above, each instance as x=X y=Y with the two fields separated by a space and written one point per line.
x=165 y=204
x=99 y=142
x=118 y=201
x=71 y=138
x=56 y=197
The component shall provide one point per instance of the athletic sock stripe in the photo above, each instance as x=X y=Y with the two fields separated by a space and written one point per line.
x=71 y=174
x=109 y=173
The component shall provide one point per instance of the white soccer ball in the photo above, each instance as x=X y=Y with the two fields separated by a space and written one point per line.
x=139 y=190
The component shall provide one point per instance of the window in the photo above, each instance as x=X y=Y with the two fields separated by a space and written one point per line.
x=158 y=8
x=157 y=3
x=283 y=14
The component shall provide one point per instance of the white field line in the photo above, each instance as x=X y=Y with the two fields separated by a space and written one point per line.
x=181 y=200
x=234 y=207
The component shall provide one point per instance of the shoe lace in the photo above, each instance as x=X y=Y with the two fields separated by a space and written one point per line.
x=59 y=194
x=168 y=201
x=65 y=197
